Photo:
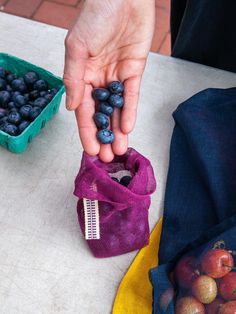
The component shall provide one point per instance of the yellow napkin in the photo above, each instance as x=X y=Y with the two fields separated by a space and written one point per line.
x=134 y=295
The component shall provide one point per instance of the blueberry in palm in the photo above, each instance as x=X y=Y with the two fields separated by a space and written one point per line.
x=116 y=87
x=101 y=94
x=116 y=101
x=105 y=108
x=105 y=136
x=101 y=120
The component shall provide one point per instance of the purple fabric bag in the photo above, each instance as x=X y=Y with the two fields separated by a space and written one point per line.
x=123 y=211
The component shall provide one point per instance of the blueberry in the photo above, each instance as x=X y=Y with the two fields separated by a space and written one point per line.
x=13 y=96
x=8 y=88
x=53 y=91
x=11 y=105
x=2 y=72
x=4 y=98
x=40 y=102
x=34 y=112
x=116 y=87
x=43 y=93
x=20 y=100
x=3 y=121
x=116 y=101
x=41 y=85
x=49 y=97
x=14 y=117
x=13 y=110
x=101 y=94
x=105 y=136
x=26 y=96
x=3 y=84
x=30 y=78
x=105 y=108
x=23 y=125
x=125 y=181
x=3 y=113
x=115 y=179
x=25 y=111
x=101 y=120
x=11 y=129
x=10 y=77
x=34 y=94
x=18 y=85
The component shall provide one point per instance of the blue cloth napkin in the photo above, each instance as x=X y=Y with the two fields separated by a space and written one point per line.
x=200 y=199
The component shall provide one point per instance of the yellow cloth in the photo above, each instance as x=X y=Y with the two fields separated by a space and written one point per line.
x=134 y=295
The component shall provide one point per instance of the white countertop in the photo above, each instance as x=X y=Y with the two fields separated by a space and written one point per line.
x=45 y=264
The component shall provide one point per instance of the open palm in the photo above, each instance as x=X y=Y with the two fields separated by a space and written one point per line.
x=110 y=41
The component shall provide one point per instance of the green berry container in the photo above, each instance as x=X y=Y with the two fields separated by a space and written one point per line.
x=18 y=144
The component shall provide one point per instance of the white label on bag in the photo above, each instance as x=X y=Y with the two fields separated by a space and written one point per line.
x=91 y=218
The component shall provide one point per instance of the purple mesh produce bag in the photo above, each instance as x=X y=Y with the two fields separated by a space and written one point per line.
x=120 y=224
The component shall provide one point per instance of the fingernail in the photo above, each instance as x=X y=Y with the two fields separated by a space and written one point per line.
x=68 y=103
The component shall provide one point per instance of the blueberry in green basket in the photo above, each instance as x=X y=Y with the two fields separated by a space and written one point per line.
x=4 y=98
x=25 y=111
x=34 y=94
x=11 y=129
x=34 y=112
x=18 y=85
x=14 y=117
x=3 y=113
x=20 y=100
x=10 y=77
x=41 y=85
x=3 y=84
x=40 y=102
x=2 y=72
x=23 y=125
x=30 y=78
x=105 y=136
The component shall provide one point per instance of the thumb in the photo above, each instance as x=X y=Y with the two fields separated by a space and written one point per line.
x=74 y=69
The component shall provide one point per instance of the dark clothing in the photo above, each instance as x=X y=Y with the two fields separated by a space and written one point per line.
x=204 y=31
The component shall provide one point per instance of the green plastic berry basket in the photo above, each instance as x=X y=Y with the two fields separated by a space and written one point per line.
x=18 y=144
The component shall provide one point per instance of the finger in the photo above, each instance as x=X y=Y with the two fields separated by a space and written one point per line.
x=74 y=69
x=87 y=128
x=120 y=144
x=106 y=153
x=129 y=111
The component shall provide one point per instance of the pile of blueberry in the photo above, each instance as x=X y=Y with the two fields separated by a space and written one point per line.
x=108 y=99
x=125 y=181
x=21 y=100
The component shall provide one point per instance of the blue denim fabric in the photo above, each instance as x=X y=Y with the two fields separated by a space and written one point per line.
x=201 y=184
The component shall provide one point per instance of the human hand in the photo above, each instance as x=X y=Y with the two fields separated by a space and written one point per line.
x=109 y=41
